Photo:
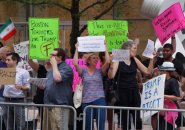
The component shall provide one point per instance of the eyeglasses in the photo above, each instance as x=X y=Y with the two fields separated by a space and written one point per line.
x=53 y=54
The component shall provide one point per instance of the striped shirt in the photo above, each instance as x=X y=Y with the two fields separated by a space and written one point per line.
x=92 y=86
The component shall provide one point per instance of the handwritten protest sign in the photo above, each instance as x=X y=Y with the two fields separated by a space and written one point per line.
x=43 y=35
x=115 y=31
x=149 y=50
x=91 y=44
x=7 y=76
x=121 y=55
x=82 y=64
x=22 y=49
x=169 y=22
x=152 y=95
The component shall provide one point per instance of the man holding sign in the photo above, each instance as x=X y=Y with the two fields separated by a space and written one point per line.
x=14 y=93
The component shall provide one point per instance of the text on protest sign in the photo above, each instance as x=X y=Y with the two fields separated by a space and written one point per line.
x=22 y=49
x=153 y=95
x=149 y=50
x=169 y=22
x=91 y=44
x=82 y=64
x=7 y=76
x=43 y=35
x=115 y=31
x=121 y=55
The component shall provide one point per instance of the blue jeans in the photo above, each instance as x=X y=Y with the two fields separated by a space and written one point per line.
x=98 y=114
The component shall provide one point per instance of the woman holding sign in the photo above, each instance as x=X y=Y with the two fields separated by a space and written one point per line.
x=93 y=92
x=167 y=120
x=128 y=88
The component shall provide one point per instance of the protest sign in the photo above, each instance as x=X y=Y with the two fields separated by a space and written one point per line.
x=115 y=31
x=22 y=49
x=149 y=50
x=43 y=35
x=121 y=55
x=40 y=82
x=152 y=96
x=7 y=76
x=82 y=64
x=91 y=44
x=169 y=22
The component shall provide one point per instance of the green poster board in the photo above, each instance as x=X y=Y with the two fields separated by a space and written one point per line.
x=43 y=37
x=115 y=31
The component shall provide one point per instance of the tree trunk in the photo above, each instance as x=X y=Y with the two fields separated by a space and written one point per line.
x=75 y=25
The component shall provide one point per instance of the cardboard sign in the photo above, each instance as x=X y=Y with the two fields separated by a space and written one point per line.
x=7 y=76
x=152 y=96
x=115 y=31
x=148 y=52
x=22 y=49
x=43 y=36
x=169 y=22
x=82 y=64
x=91 y=44
x=121 y=55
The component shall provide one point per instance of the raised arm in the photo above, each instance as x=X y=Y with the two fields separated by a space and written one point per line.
x=173 y=44
x=75 y=61
x=56 y=73
x=105 y=66
x=143 y=69
x=34 y=65
x=113 y=69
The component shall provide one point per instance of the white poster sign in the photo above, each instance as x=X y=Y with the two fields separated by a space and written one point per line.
x=152 y=96
x=148 y=52
x=40 y=82
x=22 y=49
x=121 y=55
x=91 y=44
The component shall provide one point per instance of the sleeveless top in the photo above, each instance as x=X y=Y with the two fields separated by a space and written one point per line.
x=127 y=76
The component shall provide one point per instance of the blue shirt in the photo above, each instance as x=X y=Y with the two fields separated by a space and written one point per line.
x=59 y=93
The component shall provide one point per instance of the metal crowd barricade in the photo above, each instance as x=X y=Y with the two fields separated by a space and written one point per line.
x=36 y=121
x=116 y=121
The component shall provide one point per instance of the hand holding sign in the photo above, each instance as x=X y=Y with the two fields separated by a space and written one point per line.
x=91 y=44
x=121 y=55
x=40 y=82
x=149 y=50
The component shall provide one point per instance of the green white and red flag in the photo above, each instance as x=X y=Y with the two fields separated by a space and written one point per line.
x=7 y=30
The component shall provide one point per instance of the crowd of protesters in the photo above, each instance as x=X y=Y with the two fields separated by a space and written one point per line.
x=130 y=76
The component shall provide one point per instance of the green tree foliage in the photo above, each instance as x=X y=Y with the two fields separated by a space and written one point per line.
x=76 y=12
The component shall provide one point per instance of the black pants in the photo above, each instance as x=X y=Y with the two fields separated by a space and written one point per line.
x=129 y=97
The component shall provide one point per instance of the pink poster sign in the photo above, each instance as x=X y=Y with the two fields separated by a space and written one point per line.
x=82 y=64
x=169 y=22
